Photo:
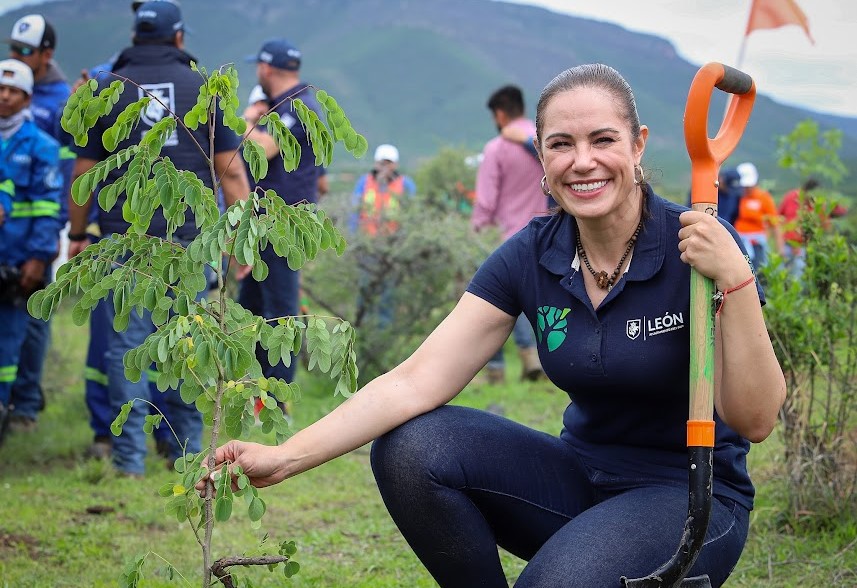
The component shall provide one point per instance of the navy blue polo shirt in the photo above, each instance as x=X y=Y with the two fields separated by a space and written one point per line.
x=302 y=183
x=625 y=366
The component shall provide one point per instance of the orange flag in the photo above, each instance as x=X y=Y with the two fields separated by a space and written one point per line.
x=772 y=14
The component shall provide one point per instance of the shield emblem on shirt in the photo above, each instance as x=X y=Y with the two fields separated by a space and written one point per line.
x=633 y=328
x=162 y=104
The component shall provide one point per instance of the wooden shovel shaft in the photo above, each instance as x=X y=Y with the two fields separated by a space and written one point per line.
x=706 y=155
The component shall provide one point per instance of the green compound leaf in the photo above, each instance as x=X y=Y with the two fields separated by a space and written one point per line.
x=132 y=574
x=254 y=155
x=125 y=122
x=290 y=149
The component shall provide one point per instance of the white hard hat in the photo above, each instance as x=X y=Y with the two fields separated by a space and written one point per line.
x=749 y=174
x=387 y=152
x=16 y=74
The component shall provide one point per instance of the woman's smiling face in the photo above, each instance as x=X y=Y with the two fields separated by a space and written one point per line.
x=589 y=152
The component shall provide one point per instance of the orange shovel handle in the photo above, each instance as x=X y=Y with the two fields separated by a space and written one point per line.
x=707 y=154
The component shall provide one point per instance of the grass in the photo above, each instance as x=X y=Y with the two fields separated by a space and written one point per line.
x=66 y=521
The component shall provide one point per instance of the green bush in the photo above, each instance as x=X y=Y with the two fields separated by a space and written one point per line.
x=813 y=324
x=415 y=274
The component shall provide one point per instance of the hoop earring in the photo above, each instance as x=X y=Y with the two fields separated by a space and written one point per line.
x=545 y=190
x=639 y=176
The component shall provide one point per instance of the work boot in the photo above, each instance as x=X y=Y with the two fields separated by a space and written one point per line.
x=496 y=375
x=101 y=448
x=22 y=424
x=531 y=367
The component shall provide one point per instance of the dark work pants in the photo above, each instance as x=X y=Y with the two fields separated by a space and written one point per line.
x=458 y=482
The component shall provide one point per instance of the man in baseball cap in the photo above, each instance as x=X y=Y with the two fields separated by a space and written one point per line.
x=160 y=67
x=278 y=53
x=277 y=65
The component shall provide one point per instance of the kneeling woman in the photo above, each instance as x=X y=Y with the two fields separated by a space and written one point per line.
x=605 y=284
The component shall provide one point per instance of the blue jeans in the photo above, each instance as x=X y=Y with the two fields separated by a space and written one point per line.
x=795 y=259
x=374 y=301
x=97 y=394
x=460 y=482
x=27 y=394
x=129 y=448
x=278 y=295
x=756 y=245
x=522 y=333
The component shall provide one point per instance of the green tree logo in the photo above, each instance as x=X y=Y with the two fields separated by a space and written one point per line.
x=552 y=326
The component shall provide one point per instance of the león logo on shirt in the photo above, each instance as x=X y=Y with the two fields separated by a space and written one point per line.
x=656 y=325
x=552 y=326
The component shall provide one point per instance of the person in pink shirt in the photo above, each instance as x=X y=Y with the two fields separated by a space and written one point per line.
x=508 y=195
x=508 y=191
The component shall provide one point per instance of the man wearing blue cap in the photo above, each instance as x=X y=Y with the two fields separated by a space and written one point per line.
x=277 y=67
x=158 y=63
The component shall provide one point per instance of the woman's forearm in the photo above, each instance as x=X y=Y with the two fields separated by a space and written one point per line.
x=751 y=387
x=379 y=407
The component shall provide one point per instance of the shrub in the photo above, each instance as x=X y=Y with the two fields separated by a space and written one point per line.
x=813 y=324
x=396 y=287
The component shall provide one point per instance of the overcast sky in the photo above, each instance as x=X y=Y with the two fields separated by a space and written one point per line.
x=784 y=63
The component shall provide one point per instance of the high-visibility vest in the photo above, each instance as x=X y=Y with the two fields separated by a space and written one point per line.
x=379 y=208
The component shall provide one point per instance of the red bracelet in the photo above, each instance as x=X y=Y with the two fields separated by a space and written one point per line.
x=720 y=297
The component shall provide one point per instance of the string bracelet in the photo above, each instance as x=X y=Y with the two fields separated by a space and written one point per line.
x=719 y=297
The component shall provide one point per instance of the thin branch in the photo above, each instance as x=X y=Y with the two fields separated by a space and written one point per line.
x=219 y=568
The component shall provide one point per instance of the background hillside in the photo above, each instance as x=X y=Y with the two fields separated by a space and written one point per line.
x=418 y=73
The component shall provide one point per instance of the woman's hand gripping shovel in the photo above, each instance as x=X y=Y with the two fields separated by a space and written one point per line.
x=706 y=155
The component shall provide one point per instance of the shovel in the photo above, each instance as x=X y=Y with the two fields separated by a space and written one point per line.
x=706 y=155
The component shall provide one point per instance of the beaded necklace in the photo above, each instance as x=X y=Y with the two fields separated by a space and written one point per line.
x=602 y=279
